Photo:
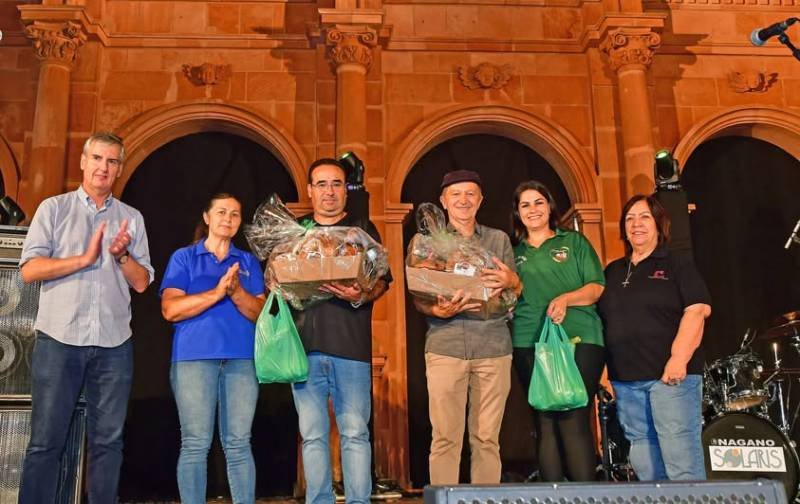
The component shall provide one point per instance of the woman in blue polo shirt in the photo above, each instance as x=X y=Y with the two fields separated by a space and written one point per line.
x=561 y=278
x=213 y=293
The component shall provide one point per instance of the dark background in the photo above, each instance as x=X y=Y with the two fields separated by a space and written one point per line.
x=745 y=191
x=171 y=188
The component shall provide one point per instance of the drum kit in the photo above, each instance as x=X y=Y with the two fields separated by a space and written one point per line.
x=748 y=422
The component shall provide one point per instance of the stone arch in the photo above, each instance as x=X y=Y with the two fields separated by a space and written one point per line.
x=770 y=124
x=571 y=161
x=552 y=142
x=149 y=131
x=9 y=169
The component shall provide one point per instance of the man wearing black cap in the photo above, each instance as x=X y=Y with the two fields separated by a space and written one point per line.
x=468 y=360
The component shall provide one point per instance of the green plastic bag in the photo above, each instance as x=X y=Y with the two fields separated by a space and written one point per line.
x=279 y=353
x=556 y=383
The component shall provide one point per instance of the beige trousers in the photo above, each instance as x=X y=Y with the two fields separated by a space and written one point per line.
x=452 y=384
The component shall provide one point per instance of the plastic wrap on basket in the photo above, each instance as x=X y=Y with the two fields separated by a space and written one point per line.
x=301 y=258
x=440 y=262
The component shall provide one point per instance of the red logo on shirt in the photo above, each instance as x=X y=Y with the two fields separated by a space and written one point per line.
x=659 y=275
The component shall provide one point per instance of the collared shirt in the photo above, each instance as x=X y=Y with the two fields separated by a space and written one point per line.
x=467 y=338
x=221 y=331
x=642 y=307
x=563 y=263
x=92 y=306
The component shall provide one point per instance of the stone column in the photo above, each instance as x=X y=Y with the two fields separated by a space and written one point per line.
x=392 y=454
x=589 y=217
x=56 y=46
x=351 y=52
x=630 y=53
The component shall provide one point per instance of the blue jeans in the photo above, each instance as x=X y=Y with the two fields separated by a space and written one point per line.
x=663 y=424
x=199 y=387
x=348 y=383
x=59 y=372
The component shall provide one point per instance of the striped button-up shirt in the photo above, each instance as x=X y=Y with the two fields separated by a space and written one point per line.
x=92 y=306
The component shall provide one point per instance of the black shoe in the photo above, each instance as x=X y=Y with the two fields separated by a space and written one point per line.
x=386 y=489
x=338 y=491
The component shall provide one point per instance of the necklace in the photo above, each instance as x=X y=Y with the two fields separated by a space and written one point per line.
x=627 y=281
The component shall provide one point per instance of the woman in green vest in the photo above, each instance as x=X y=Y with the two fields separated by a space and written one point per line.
x=562 y=278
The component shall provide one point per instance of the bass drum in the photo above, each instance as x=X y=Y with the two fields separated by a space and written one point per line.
x=744 y=446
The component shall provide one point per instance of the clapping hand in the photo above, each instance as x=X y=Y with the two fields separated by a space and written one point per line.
x=95 y=245
x=229 y=282
x=120 y=242
x=234 y=284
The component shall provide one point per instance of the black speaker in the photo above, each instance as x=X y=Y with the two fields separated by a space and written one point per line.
x=677 y=205
x=15 y=432
x=19 y=303
x=662 y=492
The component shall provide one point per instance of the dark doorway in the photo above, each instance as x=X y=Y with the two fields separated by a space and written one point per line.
x=746 y=192
x=502 y=164
x=170 y=188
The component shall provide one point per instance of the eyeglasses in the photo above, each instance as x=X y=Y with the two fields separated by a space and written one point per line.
x=323 y=186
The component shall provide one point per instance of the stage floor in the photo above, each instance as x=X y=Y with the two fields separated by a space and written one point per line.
x=403 y=500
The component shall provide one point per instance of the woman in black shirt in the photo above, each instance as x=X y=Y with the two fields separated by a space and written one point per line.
x=654 y=308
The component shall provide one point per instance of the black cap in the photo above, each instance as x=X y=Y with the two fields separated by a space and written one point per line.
x=454 y=177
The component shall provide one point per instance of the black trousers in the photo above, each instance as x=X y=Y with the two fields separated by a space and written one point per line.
x=565 y=443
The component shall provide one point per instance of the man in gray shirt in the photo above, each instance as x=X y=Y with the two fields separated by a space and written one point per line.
x=88 y=249
x=468 y=360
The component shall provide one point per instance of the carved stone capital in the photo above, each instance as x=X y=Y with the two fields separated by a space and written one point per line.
x=630 y=46
x=58 y=41
x=207 y=74
x=351 y=44
x=485 y=76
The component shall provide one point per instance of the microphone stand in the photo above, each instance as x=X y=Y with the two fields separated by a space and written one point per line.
x=784 y=39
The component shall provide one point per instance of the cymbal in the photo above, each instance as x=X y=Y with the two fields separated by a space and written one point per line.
x=784 y=326
x=782 y=371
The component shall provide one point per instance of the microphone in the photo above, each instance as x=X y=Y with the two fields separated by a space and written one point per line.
x=793 y=236
x=760 y=36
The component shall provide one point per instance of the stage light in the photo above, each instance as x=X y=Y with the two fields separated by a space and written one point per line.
x=10 y=213
x=355 y=174
x=667 y=175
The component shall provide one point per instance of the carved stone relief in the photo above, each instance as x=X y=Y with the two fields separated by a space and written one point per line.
x=207 y=74
x=485 y=76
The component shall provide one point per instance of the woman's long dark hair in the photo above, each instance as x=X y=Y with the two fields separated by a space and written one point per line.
x=660 y=215
x=518 y=230
x=201 y=230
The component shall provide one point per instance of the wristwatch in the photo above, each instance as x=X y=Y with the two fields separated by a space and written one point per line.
x=361 y=299
x=124 y=257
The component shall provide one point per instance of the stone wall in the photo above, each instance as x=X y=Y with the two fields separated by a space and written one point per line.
x=595 y=87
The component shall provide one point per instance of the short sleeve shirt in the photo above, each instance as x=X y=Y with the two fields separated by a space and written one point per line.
x=221 y=331
x=563 y=263
x=467 y=338
x=641 y=308
x=333 y=326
